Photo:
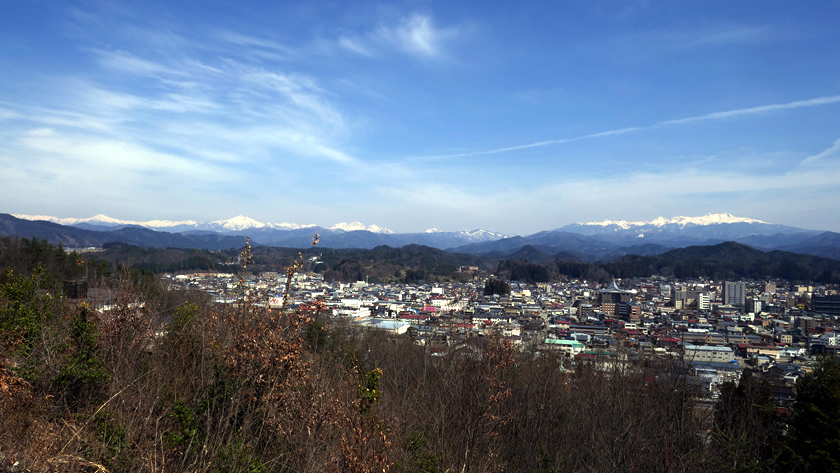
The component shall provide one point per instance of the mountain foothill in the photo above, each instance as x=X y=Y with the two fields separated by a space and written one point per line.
x=716 y=245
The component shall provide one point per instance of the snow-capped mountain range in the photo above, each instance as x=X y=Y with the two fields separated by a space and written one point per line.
x=594 y=240
x=709 y=219
x=235 y=224
x=106 y=221
x=473 y=235
x=721 y=226
x=242 y=224
x=283 y=234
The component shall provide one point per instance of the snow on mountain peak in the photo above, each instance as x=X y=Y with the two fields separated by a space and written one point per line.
x=106 y=221
x=102 y=219
x=359 y=226
x=709 y=219
x=483 y=235
x=378 y=229
x=289 y=226
x=47 y=218
x=240 y=222
x=472 y=235
x=166 y=223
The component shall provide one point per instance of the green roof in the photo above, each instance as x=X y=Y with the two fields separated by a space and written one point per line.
x=557 y=341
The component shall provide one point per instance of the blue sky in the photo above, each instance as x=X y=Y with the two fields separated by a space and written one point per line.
x=411 y=115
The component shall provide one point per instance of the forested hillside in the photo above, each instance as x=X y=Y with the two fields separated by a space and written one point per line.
x=728 y=261
x=723 y=261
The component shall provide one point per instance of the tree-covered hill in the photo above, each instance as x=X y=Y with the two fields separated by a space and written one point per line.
x=73 y=237
x=407 y=264
x=725 y=261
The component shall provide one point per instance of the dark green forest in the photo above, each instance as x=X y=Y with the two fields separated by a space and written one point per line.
x=723 y=261
x=412 y=264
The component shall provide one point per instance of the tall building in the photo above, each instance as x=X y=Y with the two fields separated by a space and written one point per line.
x=755 y=305
x=695 y=297
x=734 y=293
x=614 y=294
x=704 y=302
x=829 y=305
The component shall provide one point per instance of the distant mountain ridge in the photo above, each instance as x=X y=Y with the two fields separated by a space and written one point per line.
x=722 y=226
x=74 y=237
x=708 y=219
x=341 y=235
x=590 y=241
x=235 y=224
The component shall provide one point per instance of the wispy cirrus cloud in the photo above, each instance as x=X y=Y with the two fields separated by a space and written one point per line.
x=679 y=121
x=416 y=35
x=757 y=110
x=831 y=152
x=8 y=114
x=153 y=119
x=355 y=45
x=688 y=37
x=731 y=34
x=123 y=61
x=256 y=46
x=95 y=152
x=689 y=188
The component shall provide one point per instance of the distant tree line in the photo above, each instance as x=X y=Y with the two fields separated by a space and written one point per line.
x=723 y=261
x=496 y=286
x=523 y=271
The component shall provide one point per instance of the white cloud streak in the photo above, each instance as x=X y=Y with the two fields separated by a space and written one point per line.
x=710 y=116
x=355 y=45
x=676 y=191
x=415 y=35
x=833 y=151
x=201 y=124
x=756 y=110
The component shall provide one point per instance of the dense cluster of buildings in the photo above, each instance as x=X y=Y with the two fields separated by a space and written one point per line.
x=717 y=327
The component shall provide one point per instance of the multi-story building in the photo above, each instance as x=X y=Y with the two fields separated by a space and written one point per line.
x=695 y=297
x=707 y=354
x=704 y=302
x=630 y=311
x=807 y=323
x=828 y=305
x=614 y=294
x=734 y=293
x=754 y=305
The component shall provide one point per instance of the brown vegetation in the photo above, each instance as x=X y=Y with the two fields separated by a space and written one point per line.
x=169 y=382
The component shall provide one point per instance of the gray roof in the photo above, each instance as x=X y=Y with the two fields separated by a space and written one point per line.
x=613 y=288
